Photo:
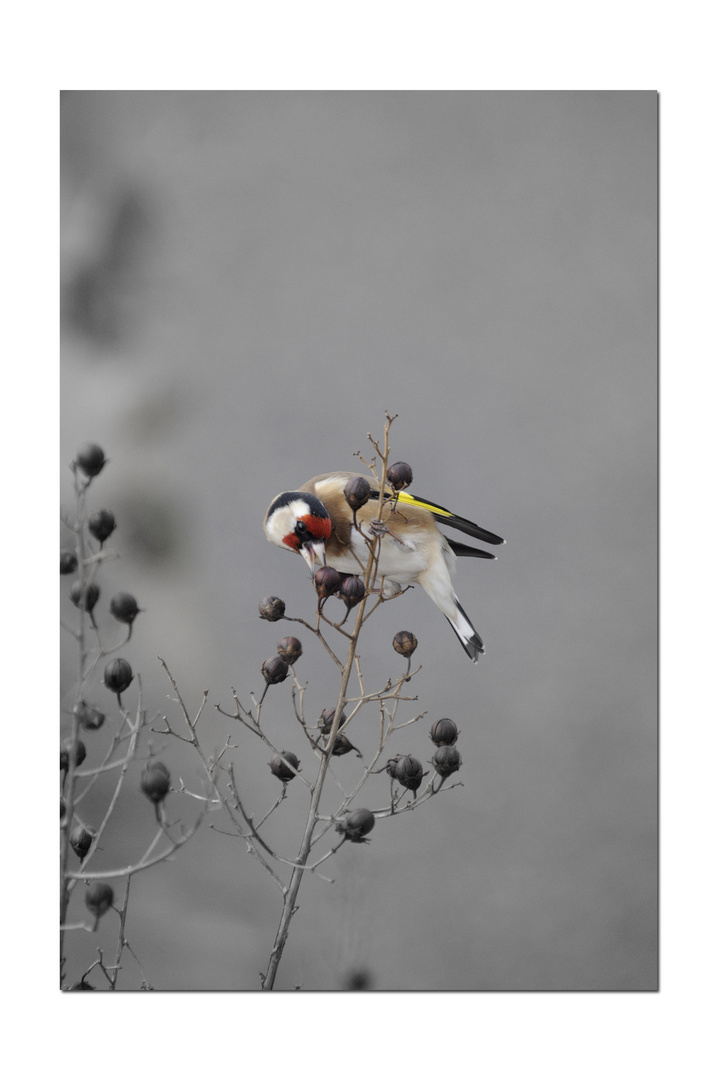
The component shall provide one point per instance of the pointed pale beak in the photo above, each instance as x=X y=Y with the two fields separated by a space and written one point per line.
x=315 y=555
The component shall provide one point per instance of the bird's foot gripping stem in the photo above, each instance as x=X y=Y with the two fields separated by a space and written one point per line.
x=380 y=528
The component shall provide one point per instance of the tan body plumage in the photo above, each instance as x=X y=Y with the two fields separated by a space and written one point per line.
x=417 y=552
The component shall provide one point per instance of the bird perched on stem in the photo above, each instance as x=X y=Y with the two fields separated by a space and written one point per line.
x=328 y=526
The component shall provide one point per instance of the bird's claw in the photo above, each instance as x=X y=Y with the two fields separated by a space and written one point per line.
x=380 y=528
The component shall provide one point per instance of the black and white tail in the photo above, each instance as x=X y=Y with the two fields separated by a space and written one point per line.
x=466 y=633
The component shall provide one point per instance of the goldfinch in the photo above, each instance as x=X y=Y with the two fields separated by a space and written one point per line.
x=317 y=522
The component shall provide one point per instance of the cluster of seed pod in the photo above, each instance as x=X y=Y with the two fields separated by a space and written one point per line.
x=342 y=745
x=285 y=765
x=85 y=593
x=446 y=759
x=408 y=771
x=90 y=460
x=288 y=651
x=347 y=587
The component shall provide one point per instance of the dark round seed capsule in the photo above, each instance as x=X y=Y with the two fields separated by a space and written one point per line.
x=327 y=581
x=124 y=607
x=289 y=649
x=357 y=492
x=101 y=524
x=408 y=771
x=343 y=746
x=91 y=459
x=405 y=643
x=280 y=768
x=352 y=591
x=154 y=783
x=68 y=561
x=118 y=676
x=272 y=609
x=274 y=670
x=327 y=718
x=357 y=825
x=400 y=475
x=444 y=732
x=81 y=840
x=99 y=898
x=446 y=760
x=79 y=755
x=84 y=597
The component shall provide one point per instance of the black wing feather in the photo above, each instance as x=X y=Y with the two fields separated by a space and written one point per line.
x=465 y=549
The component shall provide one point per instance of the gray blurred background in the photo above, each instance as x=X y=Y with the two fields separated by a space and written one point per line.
x=249 y=280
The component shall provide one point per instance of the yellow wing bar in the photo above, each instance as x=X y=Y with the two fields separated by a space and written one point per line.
x=449 y=518
x=403 y=496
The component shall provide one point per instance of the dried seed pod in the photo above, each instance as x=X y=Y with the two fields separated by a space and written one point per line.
x=155 y=782
x=81 y=840
x=272 y=609
x=118 y=676
x=86 y=596
x=68 y=561
x=357 y=825
x=91 y=459
x=352 y=591
x=327 y=581
x=400 y=475
x=99 y=898
x=444 y=732
x=289 y=649
x=446 y=760
x=274 y=670
x=405 y=643
x=101 y=524
x=357 y=492
x=79 y=755
x=327 y=718
x=408 y=771
x=89 y=718
x=280 y=768
x=124 y=607
x=343 y=746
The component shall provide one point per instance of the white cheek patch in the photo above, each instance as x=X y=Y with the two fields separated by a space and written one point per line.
x=283 y=521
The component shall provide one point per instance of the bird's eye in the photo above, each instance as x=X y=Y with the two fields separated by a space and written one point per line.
x=300 y=528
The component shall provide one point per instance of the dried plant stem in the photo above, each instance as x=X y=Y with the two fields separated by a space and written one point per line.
x=66 y=826
x=289 y=906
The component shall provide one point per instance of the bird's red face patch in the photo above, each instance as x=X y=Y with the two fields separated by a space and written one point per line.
x=317 y=528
